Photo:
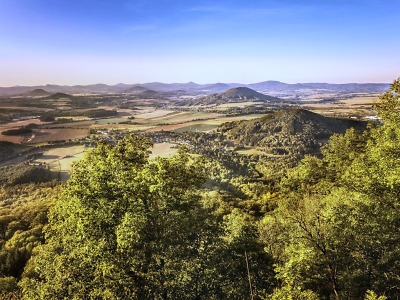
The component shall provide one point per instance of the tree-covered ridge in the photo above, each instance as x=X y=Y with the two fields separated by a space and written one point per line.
x=290 y=132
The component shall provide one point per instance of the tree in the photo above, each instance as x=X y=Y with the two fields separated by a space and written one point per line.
x=126 y=227
x=388 y=106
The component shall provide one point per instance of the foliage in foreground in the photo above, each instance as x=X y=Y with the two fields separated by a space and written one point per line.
x=336 y=229
x=23 y=213
x=126 y=227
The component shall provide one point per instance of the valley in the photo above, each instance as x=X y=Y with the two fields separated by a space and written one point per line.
x=40 y=122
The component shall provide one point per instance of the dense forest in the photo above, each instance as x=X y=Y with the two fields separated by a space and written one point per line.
x=197 y=226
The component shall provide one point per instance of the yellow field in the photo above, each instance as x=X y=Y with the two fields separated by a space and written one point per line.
x=60 y=159
x=156 y=113
x=368 y=100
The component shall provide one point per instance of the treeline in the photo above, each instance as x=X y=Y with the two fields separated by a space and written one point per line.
x=189 y=227
x=94 y=113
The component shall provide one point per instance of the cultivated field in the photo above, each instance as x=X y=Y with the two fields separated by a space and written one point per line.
x=57 y=134
x=226 y=106
x=139 y=115
x=60 y=159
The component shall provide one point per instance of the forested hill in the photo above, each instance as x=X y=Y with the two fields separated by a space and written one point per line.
x=288 y=131
x=238 y=94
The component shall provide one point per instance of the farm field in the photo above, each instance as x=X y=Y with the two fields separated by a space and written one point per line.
x=179 y=117
x=72 y=125
x=225 y=106
x=196 y=127
x=152 y=114
x=107 y=121
x=56 y=134
x=144 y=115
x=203 y=125
x=319 y=97
x=60 y=159
x=360 y=100
x=20 y=123
x=28 y=108
x=16 y=139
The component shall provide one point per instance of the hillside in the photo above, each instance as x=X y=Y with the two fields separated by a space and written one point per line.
x=9 y=150
x=238 y=94
x=37 y=93
x=24 y=173
x=136 y=89
x=288 y=132
x=216 y=88
x=60 y=96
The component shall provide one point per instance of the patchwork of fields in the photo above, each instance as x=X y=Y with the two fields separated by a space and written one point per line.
x=146 y=116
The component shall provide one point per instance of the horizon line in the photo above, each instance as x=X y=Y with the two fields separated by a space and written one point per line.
x=189 y=82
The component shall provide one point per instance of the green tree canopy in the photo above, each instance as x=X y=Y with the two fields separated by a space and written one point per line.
x=123 y=227
x=336 y=228
x=127 y=227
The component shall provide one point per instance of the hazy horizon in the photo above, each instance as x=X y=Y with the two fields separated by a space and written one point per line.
x=110 y=42
x=206 y=83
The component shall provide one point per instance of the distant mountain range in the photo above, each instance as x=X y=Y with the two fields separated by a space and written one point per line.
x=192 y=88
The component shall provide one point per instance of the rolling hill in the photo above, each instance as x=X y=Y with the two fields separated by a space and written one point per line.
x=60 y=96
x=136 y=89
x=288 y=132
x=37 y=93
x=238 y=94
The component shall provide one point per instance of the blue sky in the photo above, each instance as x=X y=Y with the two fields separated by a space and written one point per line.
x=87 y=41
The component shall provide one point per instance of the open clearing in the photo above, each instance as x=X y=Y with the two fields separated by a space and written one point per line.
x=163 y=150
x=250 y=151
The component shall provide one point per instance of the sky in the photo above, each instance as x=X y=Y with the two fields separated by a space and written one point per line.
x=124 y=41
